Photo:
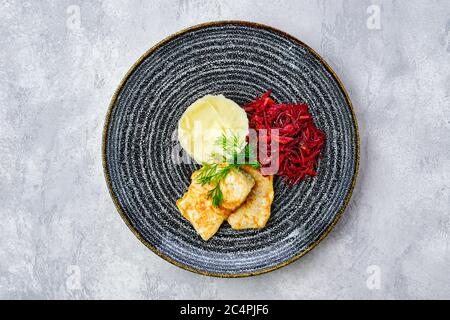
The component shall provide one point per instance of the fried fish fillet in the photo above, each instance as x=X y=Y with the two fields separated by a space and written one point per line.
x=255 y=211
x=197 y=208
x=235 y=188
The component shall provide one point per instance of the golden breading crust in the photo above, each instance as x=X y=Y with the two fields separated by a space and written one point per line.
x=235 y=188
x=255 y=211
x=197 y=208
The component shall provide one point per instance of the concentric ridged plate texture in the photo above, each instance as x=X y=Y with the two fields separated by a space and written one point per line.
x=141 y=153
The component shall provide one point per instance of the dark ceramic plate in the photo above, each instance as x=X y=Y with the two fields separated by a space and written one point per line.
x=240 y=60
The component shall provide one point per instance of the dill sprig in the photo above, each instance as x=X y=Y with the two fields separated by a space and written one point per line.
x=250 y=155
x=213 y=173
x=216 y=195
x=234 y=149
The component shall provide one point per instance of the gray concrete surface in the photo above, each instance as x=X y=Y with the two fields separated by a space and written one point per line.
x=60 y=235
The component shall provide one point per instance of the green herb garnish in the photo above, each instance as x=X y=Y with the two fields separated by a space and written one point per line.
x=235 y=153
x=216 y=195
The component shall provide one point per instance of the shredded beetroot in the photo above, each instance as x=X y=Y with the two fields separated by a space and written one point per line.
x=300 y=141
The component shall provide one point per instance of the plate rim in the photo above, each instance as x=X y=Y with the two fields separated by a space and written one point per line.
x=105 y=138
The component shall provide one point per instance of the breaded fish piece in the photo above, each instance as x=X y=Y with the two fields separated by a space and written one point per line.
x=255 y=211
x=197 y=208
x=235 y=188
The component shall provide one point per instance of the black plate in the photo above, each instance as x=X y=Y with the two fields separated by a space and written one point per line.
x=240 y=60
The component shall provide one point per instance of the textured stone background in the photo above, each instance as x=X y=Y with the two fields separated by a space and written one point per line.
x=60 y=235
